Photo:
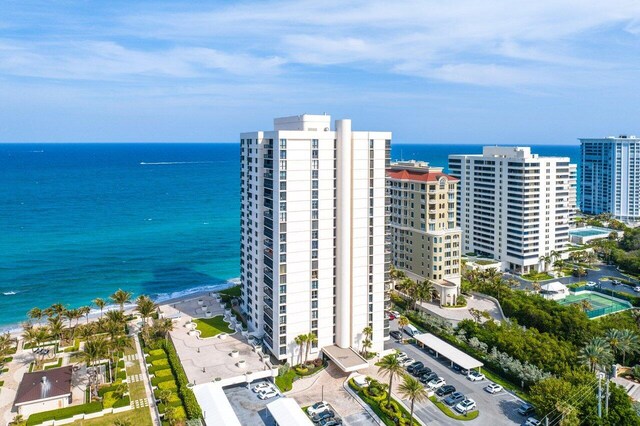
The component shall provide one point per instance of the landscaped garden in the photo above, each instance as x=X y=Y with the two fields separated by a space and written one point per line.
x=287 y=375
x=210 y=327
x=452 y=414
x=537 y=276
x=375 y=395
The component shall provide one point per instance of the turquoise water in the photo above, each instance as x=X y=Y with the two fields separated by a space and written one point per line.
x=78 y=221
x=591 y=232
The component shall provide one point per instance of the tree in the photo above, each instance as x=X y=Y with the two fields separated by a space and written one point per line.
x=390 y=366
x=56 y=327
x=164 y=396
x=35 y=314
x=477 y=314
x=145 y=307
x=94 y=349
x=85 y=311
x=300 y=341
x=100 y=304
x=412 y=389
x=629 y=343
x=18 y=420
x=121 y=297
x=311 y=340
x=403 y=322
x=585 y=305
x=546 y=394
x=596 y=354
x=367 y=333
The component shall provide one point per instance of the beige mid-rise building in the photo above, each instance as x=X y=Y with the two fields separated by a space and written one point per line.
x=426 y=241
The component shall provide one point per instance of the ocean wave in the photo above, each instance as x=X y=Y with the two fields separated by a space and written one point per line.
x=164 y=297
x=168 y=163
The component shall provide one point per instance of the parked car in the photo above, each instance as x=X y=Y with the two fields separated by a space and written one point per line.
x=323 y=415
x=407 y=362
x=532 y=422
x=415 y=365
x=421 y=371
x=591 y=284
x=526 y=409
x=454 y=398
x=411 y=330
x=466 y=405
x=615 y=282
x=262 y=386
x=456 y=368
x=436 y=383
x=493 y=388
x=636 y=289
x=401 y=356
x=475 y=376
x=316 y=408
x=426 y=378
x=446 y=390
x=330 y=422
x=395 y=334
x=268 y=394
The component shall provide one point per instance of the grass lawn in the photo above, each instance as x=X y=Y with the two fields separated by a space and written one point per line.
x=490 y=375
x=537 y=276
x=285 y=382
x=137 y=417
x=485 y=262
x=232 y=291
x=453 y=414
x=210 y=327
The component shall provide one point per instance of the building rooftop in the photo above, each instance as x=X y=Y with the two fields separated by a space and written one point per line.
x=52 y=383
x=428 y=175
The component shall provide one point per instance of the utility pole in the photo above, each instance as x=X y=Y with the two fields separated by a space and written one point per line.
x=606 y=398
x=600 y=375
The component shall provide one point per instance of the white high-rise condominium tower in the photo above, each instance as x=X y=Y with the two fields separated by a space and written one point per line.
x=314 y=254
x=610 y=177
x=514 y=206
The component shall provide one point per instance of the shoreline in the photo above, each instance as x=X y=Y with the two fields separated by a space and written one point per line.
x=161 y=300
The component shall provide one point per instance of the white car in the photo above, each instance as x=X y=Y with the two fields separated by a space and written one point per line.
x=636 y=289
x=316 y=408
x=436 y=383
x=466 y=406
x=591 y=284
x=407 y=361
x=493 y=388
x=532 y=422
x=475 y=376
x=401 y=356
x=268 y=394
x=262 y=387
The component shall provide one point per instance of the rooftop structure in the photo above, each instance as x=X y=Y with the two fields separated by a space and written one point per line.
x=44 y=390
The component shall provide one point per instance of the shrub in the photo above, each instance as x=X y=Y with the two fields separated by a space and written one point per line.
x=108 y=400
x=168 y=384
x=191 y=407
x=317 y=362
x=164 y=373
x=156 y=352
x=159 y=362
x=64 y=413
x=122 y=402
x=106 y=389
x=155 y=381
x=121 y=363
x=121 y=375
x=149 y=359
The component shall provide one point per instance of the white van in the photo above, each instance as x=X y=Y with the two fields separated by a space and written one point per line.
x=411 y=330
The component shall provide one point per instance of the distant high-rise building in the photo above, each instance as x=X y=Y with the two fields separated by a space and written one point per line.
x=610 y=177
x=314 y=254
x=426 y=243
x=514 y=206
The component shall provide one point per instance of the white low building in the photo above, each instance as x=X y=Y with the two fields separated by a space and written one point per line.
x=287 y=412
x=44 y=391
x=554 y=290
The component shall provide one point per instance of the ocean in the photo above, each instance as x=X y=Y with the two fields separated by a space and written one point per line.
x=79 y=221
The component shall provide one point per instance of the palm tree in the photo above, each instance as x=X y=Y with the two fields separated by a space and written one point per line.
x=536 y=286
x=57 y=309
x=300 y=340
x=636 y=316
x=29 y=335
x=311 y=339
x=56 y=327
x=94 y=350
x=85 y=311
x=428 y=289
x=145 y=307
x=121 y=298
x=18 y=420
x=390 y=366
x=613 y=337
x=412 y=389
x=596 y=354
x=35 y=314
x=403 y=322
x=100 y=303
x=367 y=332
x=585 y=305
x=629 y=343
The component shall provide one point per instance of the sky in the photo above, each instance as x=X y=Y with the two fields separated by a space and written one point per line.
x=431 y=71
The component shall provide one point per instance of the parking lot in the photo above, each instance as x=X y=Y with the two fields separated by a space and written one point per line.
x=498 y=409
x=250 y=409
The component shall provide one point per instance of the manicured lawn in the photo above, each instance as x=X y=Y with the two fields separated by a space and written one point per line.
x=537 y=276
x=452 y=413
x=138 y=417
x=210 y=327
x=485 y=262
x=232 y=291
x=285 y=382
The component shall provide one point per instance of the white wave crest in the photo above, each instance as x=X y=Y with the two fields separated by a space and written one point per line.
x=169 y=163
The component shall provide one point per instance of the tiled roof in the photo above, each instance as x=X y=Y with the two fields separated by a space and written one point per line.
x=58 y=384
x=418 y=176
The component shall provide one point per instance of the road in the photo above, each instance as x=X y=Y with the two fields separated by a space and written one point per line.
x=497 y=409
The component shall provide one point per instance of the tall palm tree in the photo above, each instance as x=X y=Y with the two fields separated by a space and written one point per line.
x=56 y=327
x=85 y=311
x=613 y=337
x=629 y=343
x=94 y=350
x=596 y=354
x=585 y=305
x=300 y=340
x=100 y=304
x=116 y=317
x=145 y=307
x=367 y=332
x=390 y=366
x=35 y=314
x=403 y=322
x=412 y=389
x=29 y=335
x=636 y=316
x=121 y=298
x=311 y=339
x=57 y=309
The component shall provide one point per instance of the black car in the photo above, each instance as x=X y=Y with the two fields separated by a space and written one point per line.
x=456 y=368
x=415 y=366
x=426 y=378
x=526 y=409
x=421 y=371
x=327 y=414
x=330 y=422
x=454 y=398
x=445 y=390
x=396 y=334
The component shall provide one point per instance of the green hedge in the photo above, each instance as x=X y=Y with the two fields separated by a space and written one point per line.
x=156 y=352
x=164 y=373
x=155 y=381
x=150 y=359
x=121 y=375
x=64 y=413
x=160 y=362
x=168 y=384
x=106 y=389
x=121 y=363
x=192 y=409
x=122 y=402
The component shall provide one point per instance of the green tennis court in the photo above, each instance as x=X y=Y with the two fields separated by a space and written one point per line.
x=599 y=305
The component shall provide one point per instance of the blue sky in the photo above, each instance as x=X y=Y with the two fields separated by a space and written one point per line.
x=465 y=71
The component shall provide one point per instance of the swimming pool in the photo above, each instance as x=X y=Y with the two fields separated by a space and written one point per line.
x=599 y=304
x=589 y=233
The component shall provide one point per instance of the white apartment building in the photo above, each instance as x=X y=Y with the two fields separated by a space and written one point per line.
x=426 y=242
x=610 y=177
x=514 y=206
x=314 y=249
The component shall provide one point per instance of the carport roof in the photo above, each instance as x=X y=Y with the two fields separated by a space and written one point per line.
x=287 y=412
x=216 y=408
x=346 y=359
x=452 y=353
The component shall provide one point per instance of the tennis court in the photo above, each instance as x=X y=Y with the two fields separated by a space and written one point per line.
x=599 y=304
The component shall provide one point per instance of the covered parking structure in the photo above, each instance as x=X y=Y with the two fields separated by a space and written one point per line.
x=442 y=348
x=287 y=412
x=216 y=409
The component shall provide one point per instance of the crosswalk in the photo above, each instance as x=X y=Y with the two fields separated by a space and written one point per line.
x=134 y=378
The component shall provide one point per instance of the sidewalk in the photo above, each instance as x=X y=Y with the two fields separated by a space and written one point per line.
x=155 y=416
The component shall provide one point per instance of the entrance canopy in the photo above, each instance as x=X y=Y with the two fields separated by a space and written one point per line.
x=444 y=349
x=346 y=359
